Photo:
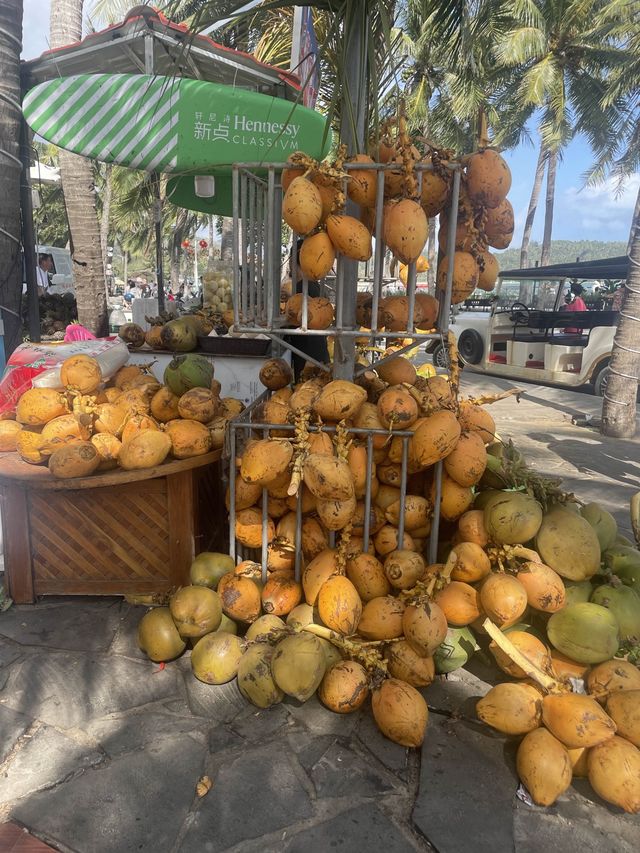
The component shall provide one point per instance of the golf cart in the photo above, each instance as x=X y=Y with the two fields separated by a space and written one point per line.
x=531 y=335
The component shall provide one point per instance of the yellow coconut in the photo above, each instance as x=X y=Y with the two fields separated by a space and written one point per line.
x=436 y=437
x=397 y=371
x=255 y=680
x=424 y=627
x=199 y=404
x=362 y=182
x=382 y=618
x=544 y=587
x=328 y=478
x=386 y=540
x=136 y=424
x=403 y=568
x=499 y=225
x=577 y=720
x=465 y=276
x=503 y=599
x=400 y=712
x=317 y=256
x=65 y=429
x=82 y=373
x=623 y=706
x=397 y=409
x=533 y=649
x=31 y=448
x=110 y=418
x=404 y=663
x=455 y=499
x=544 y=766
x=319 y=570
x=108 y=447
x=334 y=515
x=394 y=314
x=459 y=602
x=145 y=450
x=164 y=405
x=75 y=460
x=246 y=494
x=416 y=512
x=302 y=206
x=405 y=229
x=349 y=236
x=488 y=178
x=158 y=636
x=188 y=438
x=367 y=574
x=488 y=271
x=280 y=594
x=471 y=562
x=38 y=406
x=468 y=459
x=298 y=665
x=264 y=461
x=339 y=400
x=612 y=676
x=471 y=528
x=249 y=528
x=339 y=605
x=435 y=190
x=511 y=708
x=276 y=373
x=344 y=687
x=614 y=773
x=9 y=435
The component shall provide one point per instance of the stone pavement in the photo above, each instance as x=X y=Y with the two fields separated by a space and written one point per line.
x=101 y=750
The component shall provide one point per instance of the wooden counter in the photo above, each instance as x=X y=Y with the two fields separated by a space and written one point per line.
x=121 y=532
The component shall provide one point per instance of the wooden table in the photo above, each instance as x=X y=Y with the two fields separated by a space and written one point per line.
x=121 y=532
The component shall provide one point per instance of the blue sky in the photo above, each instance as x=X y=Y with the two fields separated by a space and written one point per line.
x=592 y=213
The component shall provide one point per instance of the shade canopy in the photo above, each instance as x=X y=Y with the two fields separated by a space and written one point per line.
x=611 y=268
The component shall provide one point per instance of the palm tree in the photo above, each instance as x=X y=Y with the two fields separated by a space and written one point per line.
x=620 y=159
x=10 y=171
x=78 y=183
x=559 y=53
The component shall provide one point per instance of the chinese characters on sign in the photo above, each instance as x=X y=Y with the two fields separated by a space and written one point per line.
x=241 y=130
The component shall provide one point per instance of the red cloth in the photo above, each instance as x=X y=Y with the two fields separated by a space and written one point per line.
x=578 y=304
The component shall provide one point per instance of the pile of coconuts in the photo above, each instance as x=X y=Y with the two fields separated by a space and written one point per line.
x=133 y=421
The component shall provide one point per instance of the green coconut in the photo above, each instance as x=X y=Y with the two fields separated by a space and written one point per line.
x=455 y=650
x=185 y=372
x=512 y=518
x=255 y=680
x=624 y=603
x=602 y=522
x=576 y=592
x=301 y=616
x=227 y=625
x=569 y=544
x=624 y=561
x=215 y=657
x=209 y=566
x=179 y=336
x=298 y=665
x=196 y=610
x=484 y=497
x=158 y=636
x=331 y=652
x=585 y=632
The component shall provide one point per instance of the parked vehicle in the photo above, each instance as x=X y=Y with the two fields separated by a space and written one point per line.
x=531 y=335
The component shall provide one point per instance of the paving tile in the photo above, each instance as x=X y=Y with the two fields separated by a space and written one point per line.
x=121 y=734
x=90 y=627
x=339 y=772
x=134 y=804
x=392 y=755
x=253 y=795
x=363 y=828
x=66 y=689
x=12 y=726
x=45 y=759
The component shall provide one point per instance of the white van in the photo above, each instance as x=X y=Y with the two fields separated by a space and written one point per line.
x=62 y=276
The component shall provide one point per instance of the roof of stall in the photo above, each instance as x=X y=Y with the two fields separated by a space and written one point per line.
x=612 y=268
x=122 y=49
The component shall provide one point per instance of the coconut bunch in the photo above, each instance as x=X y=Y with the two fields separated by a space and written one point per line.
x=539 y=585
x=132 y=422
x=485 y=221
x=177 y=334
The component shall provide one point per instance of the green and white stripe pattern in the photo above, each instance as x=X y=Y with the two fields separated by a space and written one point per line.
x=115 y=118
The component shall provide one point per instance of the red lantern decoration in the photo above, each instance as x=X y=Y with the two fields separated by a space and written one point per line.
x=203 y=244
x=185 y=244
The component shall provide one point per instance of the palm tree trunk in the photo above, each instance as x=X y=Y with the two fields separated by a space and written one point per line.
x=78 y=185
x=619 y=403
x=176 y=252
x=533 y=206
x=432 y=255
x=545 y=255
x=106 y=211
x=10 y=171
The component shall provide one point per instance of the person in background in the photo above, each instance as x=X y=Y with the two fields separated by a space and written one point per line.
x=314 y=346
x=577 y=303
x=45 y=266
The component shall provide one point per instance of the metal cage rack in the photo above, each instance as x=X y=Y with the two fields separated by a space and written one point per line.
x=241 y=429
x=257 y=235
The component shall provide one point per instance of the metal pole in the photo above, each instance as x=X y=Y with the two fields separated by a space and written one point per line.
x=353 y=129
x=149 y=68
x=28 y=235
x=296 y=35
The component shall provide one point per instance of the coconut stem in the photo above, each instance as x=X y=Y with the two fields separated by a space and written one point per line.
x=302 y=449
x=454 y=364
x=551 y=685
x=486 y=399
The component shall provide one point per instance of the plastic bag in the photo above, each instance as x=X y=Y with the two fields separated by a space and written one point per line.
x=38 y=365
